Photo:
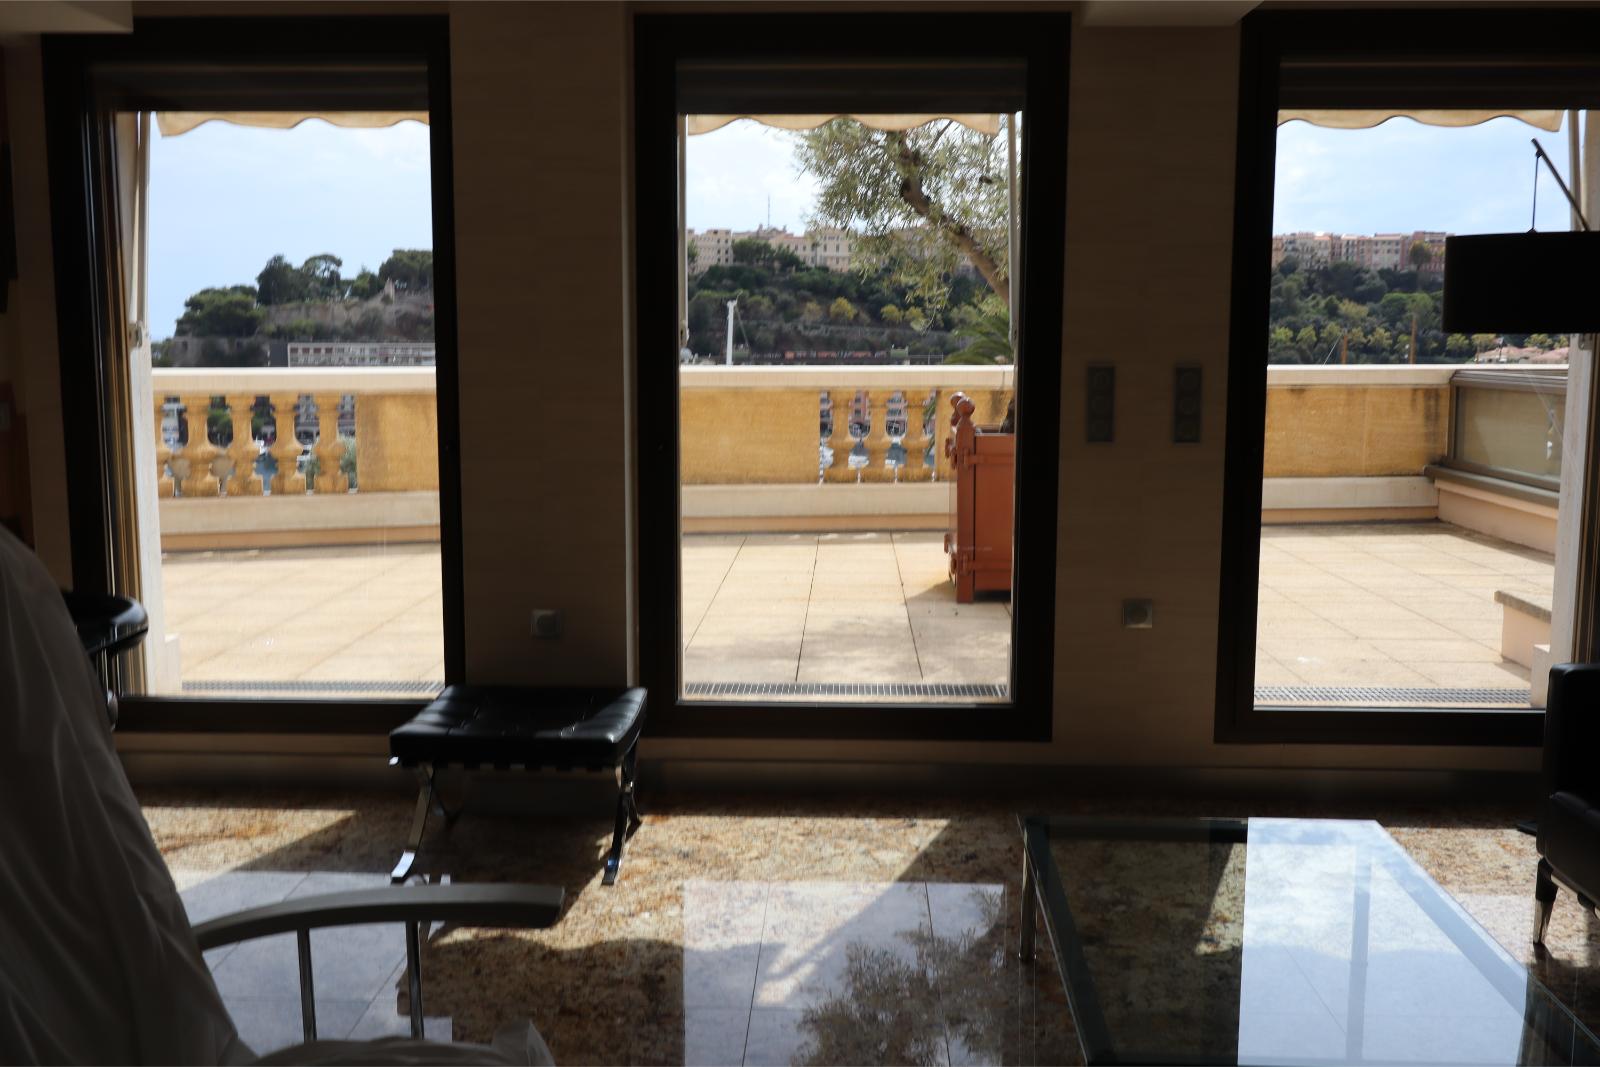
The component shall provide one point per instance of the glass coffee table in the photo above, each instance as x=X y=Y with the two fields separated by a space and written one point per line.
x=1275 y=941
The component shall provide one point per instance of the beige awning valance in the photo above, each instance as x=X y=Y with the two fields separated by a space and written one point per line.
x=173 y=123
x=989 y=124
x=1342 y=119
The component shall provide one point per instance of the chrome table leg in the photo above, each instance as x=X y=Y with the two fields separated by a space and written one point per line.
x=1029 y=904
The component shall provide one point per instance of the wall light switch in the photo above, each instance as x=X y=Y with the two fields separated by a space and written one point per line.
x=546 y=623
x=1139 y=614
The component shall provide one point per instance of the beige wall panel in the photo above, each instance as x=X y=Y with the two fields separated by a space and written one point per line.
x=543 y=341
x=1528 y=525
x=1142 y=517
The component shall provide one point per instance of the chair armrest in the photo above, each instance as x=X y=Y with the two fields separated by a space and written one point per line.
x=521 y=906
x=1572 y=730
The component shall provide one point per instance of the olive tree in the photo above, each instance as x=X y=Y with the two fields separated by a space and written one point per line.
x=917 y=202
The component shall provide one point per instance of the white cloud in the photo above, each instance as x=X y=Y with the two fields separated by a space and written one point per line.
x=734 y=172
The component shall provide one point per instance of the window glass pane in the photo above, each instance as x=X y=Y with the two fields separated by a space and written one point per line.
x=1407 y=554
x=291 y=365
x=845 y=284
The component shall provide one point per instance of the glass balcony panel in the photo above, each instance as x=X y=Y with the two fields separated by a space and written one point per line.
x=1511 y=430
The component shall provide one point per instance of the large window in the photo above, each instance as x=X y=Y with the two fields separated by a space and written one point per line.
x=824 y=350
x=260 y=355
x=857 y=310
x=1396 y=504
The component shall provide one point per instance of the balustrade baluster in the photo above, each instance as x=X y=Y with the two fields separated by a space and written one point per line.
x=286 y=449
x=164 y=483
x=946 y=449
x=243 y=451
x=916 y=439
x=824 y=405
x=329 y=450
x=199 y=452
x=878 y=440
x=840 y=440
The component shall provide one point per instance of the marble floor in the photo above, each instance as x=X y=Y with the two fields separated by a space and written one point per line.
x=744 y=929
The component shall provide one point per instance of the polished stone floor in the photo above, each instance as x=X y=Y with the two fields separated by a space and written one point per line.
x=744 y=929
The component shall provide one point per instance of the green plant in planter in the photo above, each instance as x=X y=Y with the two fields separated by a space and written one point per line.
x=347 y=463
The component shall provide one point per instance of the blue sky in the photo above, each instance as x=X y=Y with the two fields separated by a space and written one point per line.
x=1403 y=176
x=224 y=199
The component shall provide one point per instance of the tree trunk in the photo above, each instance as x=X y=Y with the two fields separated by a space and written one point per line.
x=916 y=197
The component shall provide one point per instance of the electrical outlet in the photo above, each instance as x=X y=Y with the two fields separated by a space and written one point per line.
x=1139 y=614
x=546 y=623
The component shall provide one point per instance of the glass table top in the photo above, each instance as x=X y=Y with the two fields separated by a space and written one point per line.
x=1278 y=941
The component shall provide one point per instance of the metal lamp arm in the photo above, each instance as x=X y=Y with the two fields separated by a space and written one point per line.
x=1542 y=154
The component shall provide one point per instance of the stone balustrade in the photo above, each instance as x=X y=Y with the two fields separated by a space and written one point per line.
x=762 y=447
x=395 y=438
x=829 y=425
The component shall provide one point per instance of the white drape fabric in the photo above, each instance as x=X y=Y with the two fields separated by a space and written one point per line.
x=1349 y=119
x=98 y=963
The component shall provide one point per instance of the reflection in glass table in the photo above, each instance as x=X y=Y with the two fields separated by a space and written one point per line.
x=1281 y=941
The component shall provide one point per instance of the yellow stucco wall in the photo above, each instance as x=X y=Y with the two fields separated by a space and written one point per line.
x=1329 y=430
x=748 y=436
x=397 y=443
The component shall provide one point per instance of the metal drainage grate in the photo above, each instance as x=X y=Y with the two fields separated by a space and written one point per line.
x=1312 y=694
x=425 y=688
x=910 y=690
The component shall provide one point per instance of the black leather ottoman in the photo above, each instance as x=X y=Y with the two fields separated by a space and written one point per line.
x=506 y=727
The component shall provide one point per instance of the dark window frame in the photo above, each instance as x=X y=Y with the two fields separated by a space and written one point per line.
x=660 y=42
x=1473 y=59
x=214 y=46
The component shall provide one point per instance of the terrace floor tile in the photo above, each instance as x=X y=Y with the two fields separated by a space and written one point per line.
x=1357 y=605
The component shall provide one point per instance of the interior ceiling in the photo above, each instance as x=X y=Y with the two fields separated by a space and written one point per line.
x=67 y=16
x=1165 y=12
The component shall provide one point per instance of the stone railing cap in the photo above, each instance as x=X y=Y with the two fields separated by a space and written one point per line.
x=221 y=381
x=1535 y=604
